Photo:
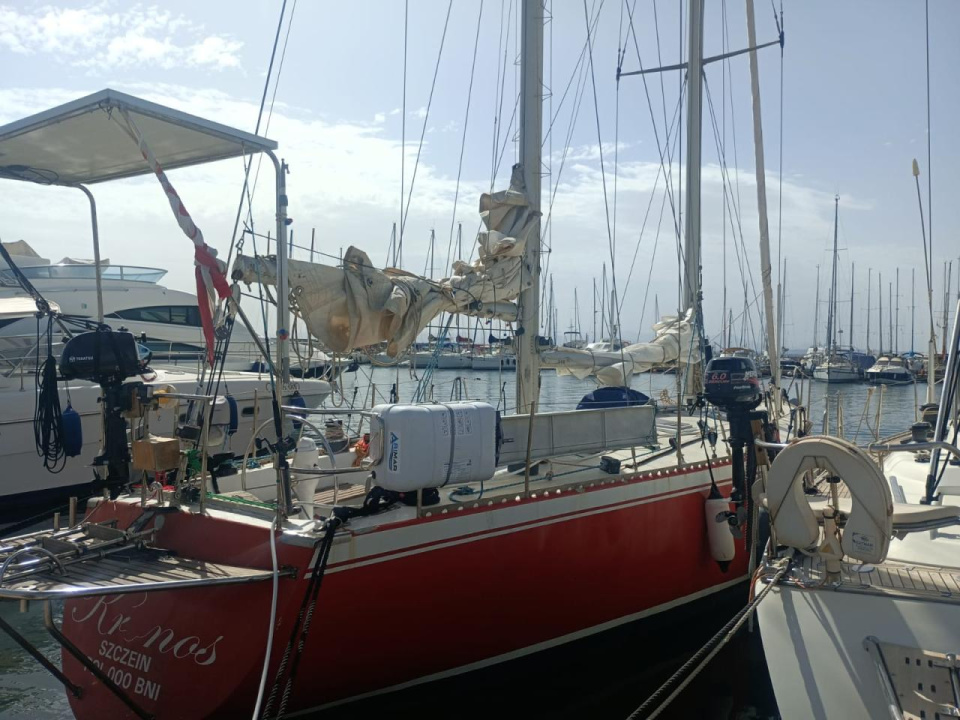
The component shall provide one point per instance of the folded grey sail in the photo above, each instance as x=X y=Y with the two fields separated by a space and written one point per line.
x=358 y=305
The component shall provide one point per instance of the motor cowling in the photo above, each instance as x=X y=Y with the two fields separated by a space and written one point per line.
x=100 y=356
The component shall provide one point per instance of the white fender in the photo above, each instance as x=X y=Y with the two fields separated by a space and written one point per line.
x=305 y=456
x=866 y=535
x=722 y=547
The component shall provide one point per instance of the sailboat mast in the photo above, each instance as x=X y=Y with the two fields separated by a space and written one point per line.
x=913 y=304
x=614 y=330
x=832 y=312
x=603 y=301
x=948 y=281
x=880 y=311
x=576 y=313
x=594 y=335
x=782 y=305
x=816 y=313
x=896 y=323
x=869 y=286
x=691 y=271
x=551 y=324
x=531 y=106
x=890 y=315
x=773 y=344
x=853 y=277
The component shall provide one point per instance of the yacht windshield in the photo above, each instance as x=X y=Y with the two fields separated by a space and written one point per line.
x=88 y=272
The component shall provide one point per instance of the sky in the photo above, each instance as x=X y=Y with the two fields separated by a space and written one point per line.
x=349 y=121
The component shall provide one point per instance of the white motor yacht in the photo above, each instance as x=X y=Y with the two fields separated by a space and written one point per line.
x=888 y=370
x=166 y=321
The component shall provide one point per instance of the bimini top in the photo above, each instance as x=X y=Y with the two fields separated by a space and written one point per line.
x=85 y=142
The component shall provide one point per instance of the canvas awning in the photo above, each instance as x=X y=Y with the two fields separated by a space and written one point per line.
x=16 y=308
x=79 y=142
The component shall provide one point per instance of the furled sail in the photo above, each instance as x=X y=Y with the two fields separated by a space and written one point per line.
x=675 y=344
x=358 y=305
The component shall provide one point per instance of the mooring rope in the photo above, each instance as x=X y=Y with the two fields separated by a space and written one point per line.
x=692 y=667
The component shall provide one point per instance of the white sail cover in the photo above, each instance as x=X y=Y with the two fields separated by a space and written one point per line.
x=358 y=305
x=675 y=344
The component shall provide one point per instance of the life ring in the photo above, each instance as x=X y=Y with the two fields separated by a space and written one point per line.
x=868 y=528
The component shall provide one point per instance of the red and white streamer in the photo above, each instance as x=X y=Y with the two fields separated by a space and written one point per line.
x=210 y=272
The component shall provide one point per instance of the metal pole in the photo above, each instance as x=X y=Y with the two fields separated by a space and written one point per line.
x=773 y=338
x=950 y=369
x=531 y=93
x=691 y=287
x=816 y=314
x=913 y=304
x=98 y=272
x=869 y=287
x=283 y=290
x=832 y=316
x=896 y=323
x=880 y=311
x=692 y=378
x=853 y=278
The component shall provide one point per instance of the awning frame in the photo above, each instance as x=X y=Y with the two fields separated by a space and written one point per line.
x=107 y=101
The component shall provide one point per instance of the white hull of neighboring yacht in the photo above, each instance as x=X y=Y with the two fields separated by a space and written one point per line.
x=814 y=643
x=876 y=637
x=495 y=362
x=441 y=361
x=24 y=477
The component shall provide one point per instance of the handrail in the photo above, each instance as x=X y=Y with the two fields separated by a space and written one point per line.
x=914 y=447
x=770 y=445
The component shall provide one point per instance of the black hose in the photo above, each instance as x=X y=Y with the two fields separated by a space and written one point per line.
x=47 y=416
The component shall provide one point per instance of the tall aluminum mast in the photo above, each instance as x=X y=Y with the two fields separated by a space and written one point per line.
x=773 y=339
x=531 y=94
x=692 y=379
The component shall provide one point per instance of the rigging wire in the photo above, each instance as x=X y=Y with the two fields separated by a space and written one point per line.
x=403 y=130
x=611 y=238
x=663 y=95
x=735 y=210
x=580 y=72
x=273 y=100
x=263 y=100
x=673 y=125
x=656 y=133
x=498 y=100
x=463 y=141
x=724 y=74
x=426 y=119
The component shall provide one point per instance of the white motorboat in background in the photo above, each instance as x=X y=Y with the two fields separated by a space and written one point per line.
x=888 y=370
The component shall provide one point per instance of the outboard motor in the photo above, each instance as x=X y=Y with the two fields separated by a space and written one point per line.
x=107 y=358
x=733 y=385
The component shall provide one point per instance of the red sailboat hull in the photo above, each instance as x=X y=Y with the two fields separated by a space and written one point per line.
x=402 y=603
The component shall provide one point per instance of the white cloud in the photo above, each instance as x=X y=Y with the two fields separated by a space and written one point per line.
x=100 y=39
x=379 y=118
x=345 y=182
